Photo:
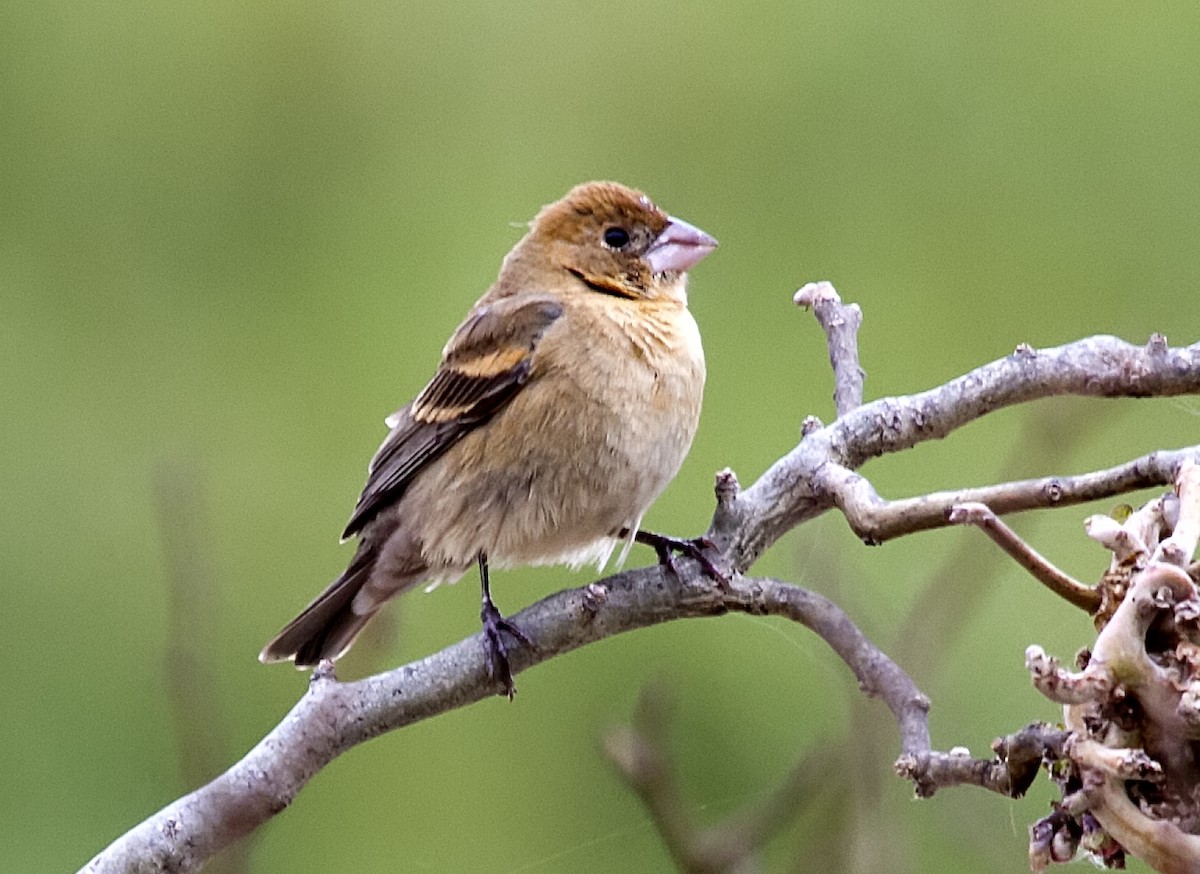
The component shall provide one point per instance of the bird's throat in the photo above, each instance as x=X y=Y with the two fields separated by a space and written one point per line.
x=605 y=285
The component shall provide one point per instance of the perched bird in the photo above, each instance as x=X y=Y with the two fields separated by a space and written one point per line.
x=562 y=407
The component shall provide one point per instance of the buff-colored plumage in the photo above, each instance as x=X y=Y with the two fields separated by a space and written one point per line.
x=563 y=406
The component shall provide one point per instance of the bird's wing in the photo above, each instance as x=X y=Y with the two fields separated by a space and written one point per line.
x=483 y=366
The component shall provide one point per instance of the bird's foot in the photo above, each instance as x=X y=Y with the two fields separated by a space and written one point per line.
x=694 y=548
x=495 y=651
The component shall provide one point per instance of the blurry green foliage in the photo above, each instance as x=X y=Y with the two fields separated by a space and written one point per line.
x=233 y=237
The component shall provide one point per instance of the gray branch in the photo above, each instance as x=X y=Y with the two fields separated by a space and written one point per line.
x=815 y=476
x=819 y=473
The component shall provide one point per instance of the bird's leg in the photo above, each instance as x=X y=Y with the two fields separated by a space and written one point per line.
x=695 y=548
x=495 y=653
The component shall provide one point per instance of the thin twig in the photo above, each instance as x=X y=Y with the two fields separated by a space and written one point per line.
x=641 y=754
x=937 y=614
x=1065 y=586
x=876 y=520
x=201 y=730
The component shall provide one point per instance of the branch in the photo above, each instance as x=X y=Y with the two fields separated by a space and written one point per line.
x=819 y=473
x=813 y=477
x=333 y=717
x=1127 y=763
x=201 y=733
x=1018 y=758
x=876 y=520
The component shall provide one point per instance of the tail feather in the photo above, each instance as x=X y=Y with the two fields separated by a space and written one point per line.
x=327 y=626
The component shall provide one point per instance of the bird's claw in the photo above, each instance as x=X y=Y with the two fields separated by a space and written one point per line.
x=694 y=548
x=495 y=652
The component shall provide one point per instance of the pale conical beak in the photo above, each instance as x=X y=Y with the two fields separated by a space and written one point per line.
x=679 y=247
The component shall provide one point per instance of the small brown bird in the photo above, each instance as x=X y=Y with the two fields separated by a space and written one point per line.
x=562 y=407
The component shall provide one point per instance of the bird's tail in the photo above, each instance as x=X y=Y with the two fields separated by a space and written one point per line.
x=327 y=626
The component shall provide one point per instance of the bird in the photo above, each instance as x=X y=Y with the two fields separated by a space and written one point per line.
x=562 y=407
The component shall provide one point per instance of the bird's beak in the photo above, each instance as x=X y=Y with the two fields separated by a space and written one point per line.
x=679 y=247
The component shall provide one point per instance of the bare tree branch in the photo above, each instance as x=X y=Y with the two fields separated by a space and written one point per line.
x=333 y=717
x=877 y=520
x=815 y=476
x=818 y=473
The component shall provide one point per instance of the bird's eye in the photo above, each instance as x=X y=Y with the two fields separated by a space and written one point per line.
x=616 y=238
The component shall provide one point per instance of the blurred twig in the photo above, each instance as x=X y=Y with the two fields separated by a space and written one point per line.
x=193 y=611
x=641 y=754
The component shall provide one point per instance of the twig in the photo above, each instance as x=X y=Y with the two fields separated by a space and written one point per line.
x=1061 y=584
x=876 y=520
x=937 y=613
x=841 y=323
x=200 y=728
x=1011 y=772
x=640 y=753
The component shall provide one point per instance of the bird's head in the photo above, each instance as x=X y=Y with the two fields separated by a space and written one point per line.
x=613 y=240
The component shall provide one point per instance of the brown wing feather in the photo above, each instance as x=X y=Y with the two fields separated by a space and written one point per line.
x=485 y=364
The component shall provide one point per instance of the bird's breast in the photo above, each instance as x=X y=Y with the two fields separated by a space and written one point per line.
x=579 y=453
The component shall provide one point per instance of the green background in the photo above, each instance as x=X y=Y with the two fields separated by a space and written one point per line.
x=233 y=237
